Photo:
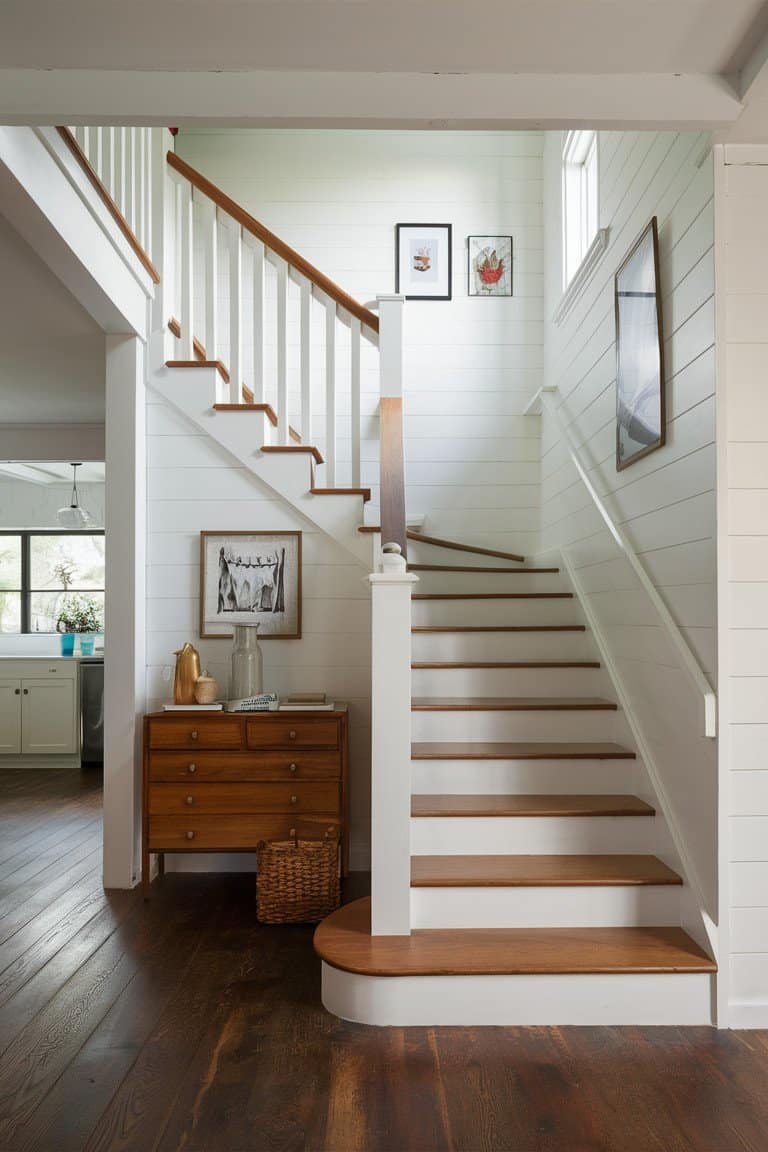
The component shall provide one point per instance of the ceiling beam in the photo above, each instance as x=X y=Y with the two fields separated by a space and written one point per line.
x=366 y=100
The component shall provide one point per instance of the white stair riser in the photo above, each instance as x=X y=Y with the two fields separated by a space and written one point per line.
x=495 y=612
x=546 y=907
x=500 y=726
x=502 y=777
x=615 y=999
x=510 y=682
x=531 y=835
x=490 y=582
x=502 y=646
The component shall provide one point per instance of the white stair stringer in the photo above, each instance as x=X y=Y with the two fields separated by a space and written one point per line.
x=194 y=391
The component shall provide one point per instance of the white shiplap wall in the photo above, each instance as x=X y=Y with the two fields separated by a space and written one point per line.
x=192 y=484
x=471 y=364
x=666 y=502
x=741 y=182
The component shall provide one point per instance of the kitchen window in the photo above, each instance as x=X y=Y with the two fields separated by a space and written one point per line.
x=42 y=573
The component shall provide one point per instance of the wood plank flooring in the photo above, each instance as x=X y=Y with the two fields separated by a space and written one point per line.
x=184 y=1024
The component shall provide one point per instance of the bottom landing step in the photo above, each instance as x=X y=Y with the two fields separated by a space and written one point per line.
x=493 y=976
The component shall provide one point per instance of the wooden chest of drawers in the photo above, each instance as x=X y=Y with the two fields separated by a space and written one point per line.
x=220 y=781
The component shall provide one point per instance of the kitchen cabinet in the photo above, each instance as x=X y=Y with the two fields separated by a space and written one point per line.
x=38 y=708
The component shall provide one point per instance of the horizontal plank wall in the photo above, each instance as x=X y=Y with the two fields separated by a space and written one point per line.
x=665 y=502
x=471 y=364
x=192 y=485
x=741 y=184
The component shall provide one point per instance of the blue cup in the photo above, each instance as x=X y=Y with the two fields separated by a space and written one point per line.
x=67 y=643
x=86 y=645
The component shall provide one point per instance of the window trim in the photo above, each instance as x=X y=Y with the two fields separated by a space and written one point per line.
x=580 y=146
x=26 y=590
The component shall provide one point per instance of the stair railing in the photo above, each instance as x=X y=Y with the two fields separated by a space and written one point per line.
x=706 y=692
x=261 y=327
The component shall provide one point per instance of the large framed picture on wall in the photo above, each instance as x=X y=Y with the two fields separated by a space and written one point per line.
x=640 y=400
x=250 y=578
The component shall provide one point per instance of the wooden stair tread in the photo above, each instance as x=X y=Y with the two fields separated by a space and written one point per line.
x=217 y=364
x=505 y=664
x=518 y=750
x=308 y=449
x=603 y=871
x=472 y=567
x=344 y=941
x=492 y=596
x=499 y=628
x=512 y=704
x=364 y=492
x=267 y=409
x=460 y=804
x=438 y=542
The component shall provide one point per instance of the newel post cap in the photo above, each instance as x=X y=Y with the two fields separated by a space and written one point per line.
x=392 y=559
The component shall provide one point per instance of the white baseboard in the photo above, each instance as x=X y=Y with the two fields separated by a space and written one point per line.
x=748 y=1014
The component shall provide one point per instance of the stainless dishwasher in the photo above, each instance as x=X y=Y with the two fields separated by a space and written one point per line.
x=92 y=711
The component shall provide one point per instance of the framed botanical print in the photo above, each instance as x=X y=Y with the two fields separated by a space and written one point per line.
x=423 y=261
x=640 y=407
x=250 y=578
x=490 y=266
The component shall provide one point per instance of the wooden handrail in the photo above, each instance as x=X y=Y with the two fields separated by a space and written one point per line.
x=274 y=243
x=109 y=203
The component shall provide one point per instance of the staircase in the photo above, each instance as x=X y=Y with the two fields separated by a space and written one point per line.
x=536 y=895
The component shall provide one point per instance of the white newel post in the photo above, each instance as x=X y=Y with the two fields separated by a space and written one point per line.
x=391 y=746
x=391 y=344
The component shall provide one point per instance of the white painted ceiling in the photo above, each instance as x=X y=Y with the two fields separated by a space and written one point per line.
x=53 y=472
x=52 y=355
x=495 y=36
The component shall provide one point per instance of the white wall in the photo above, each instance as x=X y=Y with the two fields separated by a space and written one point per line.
x=193 y=485
x=471 y=364
x=742 y=251
x=666 y=502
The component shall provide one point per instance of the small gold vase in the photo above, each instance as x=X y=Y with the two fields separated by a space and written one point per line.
x=187 y=673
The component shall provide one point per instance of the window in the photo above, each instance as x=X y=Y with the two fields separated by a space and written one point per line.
x=580 y=187
x=42 y=573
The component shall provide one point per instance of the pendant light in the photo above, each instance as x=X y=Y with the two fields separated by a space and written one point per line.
x=74 y=516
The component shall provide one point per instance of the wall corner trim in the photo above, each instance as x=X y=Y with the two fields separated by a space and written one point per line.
x=583 y=275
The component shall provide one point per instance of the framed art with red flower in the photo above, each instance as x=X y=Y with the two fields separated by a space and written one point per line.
x=490 y=266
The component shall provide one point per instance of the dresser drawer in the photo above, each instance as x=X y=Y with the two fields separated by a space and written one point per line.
x=291 y=732
x=315 y=796
x=200 y=832
x=171 y=767
x=191 y=732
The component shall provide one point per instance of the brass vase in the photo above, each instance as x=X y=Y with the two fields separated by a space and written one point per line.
x=187 y=673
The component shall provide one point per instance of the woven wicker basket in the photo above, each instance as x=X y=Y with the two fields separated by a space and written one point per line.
x=297 y=880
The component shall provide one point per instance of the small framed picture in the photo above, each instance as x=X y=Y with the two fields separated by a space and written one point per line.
x=490 y=266
x=423 y=259
x=250 y=578
x=640 y=401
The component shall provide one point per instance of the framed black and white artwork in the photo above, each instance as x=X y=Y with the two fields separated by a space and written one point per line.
x=423 y=261
x=250 y=578
x=640 y=401
x=490 y=266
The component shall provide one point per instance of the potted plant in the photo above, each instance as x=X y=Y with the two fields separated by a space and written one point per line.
x=77 y=614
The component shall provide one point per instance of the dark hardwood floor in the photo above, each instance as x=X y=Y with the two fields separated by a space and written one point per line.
x=184 y=1024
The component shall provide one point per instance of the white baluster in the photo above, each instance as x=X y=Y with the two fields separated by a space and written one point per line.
x=119 y=193
x=330 y=392
x=149 y=184
x=97 y=148
x=282 y=352
x=354 y=334
x=108 y=161
x=187 y=271
x=81 y=138
x=306 y=345
x=258 y=321
x=129 y=155
x=235 y=312
x=210 y=226
x=141 y=186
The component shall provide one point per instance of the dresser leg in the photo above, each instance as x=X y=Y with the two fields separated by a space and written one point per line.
x=145 y=878
x=161 y=863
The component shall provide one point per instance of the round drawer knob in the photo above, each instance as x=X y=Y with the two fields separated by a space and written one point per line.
x=190 y=799
x=193 y=734
x=192 y=768
x=291 y=831
x=190 y=835
x=293 y=799
x=291 y=735
x=292 y=767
